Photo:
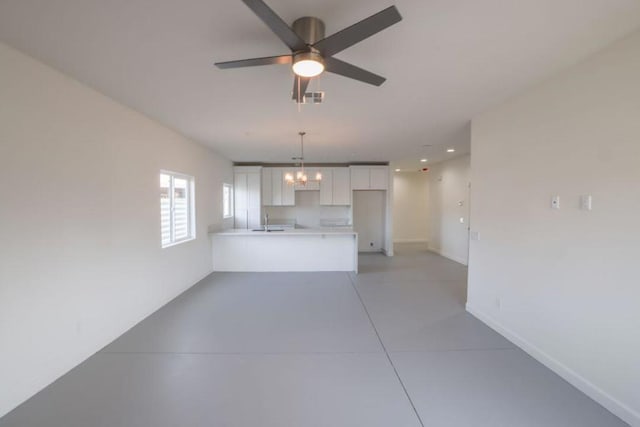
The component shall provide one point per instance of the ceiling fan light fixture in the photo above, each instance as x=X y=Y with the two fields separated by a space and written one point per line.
x=308 y=64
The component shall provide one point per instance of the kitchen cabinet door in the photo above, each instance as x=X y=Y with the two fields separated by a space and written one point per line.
x=276 y=186
x=359 y=178
x=379 y=178
x=267 y=186
x=341 y=187
x=288 y=190
x=326 y=187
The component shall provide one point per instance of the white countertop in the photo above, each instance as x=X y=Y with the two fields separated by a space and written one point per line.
x=288 y=232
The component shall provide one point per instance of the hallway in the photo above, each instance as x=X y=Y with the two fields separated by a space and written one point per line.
x=392 y=346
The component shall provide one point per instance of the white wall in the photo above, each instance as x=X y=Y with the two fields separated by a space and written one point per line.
x=448 y=203
x=80 y=256
x=410 y=207
x=564 y=284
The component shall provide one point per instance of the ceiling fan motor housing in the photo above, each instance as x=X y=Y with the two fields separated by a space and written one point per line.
x=310 y=29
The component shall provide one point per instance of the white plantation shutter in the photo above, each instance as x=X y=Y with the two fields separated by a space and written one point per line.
x=176 y=208
x=226 y=201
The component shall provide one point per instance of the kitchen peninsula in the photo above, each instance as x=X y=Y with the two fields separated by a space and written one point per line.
x=318 y=225
x=285 y=250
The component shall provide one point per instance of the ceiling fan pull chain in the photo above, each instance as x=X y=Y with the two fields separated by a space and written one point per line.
x=298 y=100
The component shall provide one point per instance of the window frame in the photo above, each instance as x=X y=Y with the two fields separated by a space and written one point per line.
x=231 y=213
x=191 y=208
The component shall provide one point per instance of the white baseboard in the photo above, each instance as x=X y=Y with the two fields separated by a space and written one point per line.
x=423 y=241
x=457 y=259
x=618 y=408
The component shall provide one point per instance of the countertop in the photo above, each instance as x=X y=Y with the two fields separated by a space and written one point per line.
x=288 y=232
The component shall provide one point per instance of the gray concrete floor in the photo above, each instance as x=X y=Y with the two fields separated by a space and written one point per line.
x=391 y=346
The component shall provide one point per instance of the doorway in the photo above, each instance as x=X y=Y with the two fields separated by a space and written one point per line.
x=369 y=219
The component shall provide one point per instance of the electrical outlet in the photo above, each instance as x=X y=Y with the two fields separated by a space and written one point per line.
x=371 y=244
x=555 y=202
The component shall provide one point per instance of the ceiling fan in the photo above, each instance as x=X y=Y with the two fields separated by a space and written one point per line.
x=311 y=52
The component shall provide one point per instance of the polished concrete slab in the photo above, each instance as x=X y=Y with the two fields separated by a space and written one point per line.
x=204 y=390
x=258 y=313
x=391 y=346
x=494 y=388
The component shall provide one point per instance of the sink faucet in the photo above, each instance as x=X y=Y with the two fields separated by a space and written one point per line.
x=266 y=222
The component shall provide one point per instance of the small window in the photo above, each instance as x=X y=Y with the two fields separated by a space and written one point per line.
x=227 y=201
x=177 y=211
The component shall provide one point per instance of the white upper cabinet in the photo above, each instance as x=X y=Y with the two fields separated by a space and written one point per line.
x=276 y=186
x=288 y=190
x=267 y=187
x=326 y=187
x=359 y=177
x=369 y=177
x=341 y=186
x=335 y=187
x=379 y=178
x=311 y=184
x=275 y=191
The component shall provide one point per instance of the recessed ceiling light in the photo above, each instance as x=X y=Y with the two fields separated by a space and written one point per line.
x=397 y=170
x=423 y=160
x=451 y=150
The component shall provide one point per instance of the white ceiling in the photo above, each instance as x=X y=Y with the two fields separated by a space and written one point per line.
x=445 y=62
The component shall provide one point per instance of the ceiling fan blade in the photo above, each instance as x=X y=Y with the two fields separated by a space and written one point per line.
x=304 y=82
x=276 y=24
x=345 y=69
x=269 y=60
x=357 y=32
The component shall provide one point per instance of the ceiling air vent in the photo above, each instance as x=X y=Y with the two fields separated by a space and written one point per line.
x=312 y=98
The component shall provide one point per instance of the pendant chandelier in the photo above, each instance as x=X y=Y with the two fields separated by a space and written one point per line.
x=300 y=176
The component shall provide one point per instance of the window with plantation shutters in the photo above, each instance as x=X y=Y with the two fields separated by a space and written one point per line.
x=227 y=201
x=177 y=216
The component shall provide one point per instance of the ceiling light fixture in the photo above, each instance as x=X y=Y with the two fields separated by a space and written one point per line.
x=308 y=64
x=301 y=177
x=397 y=170
x=423 y=160
x=451 y=150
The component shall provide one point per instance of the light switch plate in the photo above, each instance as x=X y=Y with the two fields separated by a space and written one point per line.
x=555 y=202
x=585 y=202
